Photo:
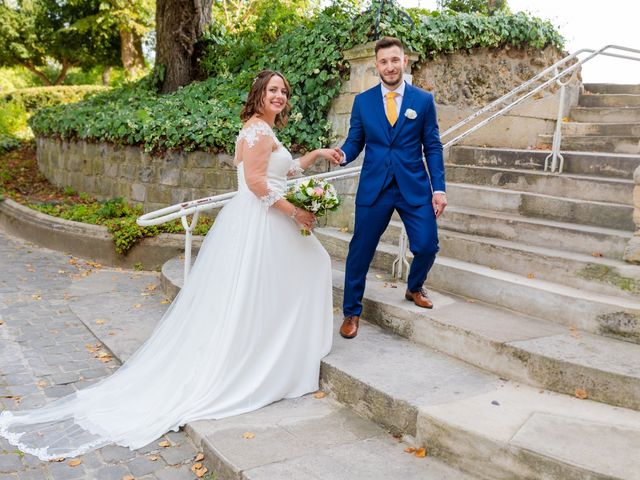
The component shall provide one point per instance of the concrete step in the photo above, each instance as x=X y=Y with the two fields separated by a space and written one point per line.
x=557 y=208
x=612 y=88
x=618 y=129
x=512 y=345
x=535 y=231
x=493 y=428
x=310 y=438
x=584 y=187
x=470 y=418
x=594 y=143
x=605 y=114
x=585 y=272
x=582 y=163
x=593 y=312
x=609 y=100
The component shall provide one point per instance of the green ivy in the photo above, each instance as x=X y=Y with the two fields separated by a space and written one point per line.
x=204 y=115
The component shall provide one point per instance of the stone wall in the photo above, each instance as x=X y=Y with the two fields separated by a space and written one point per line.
x=106 y=171
x=474 y=79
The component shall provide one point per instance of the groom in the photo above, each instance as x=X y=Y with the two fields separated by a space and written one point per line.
x=396 y=124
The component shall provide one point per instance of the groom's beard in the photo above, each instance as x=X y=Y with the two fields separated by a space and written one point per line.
x=391 y=81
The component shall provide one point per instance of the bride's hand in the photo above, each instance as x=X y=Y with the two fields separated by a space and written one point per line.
x=305 y=219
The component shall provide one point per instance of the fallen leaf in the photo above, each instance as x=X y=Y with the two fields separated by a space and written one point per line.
x=319 y=394
x=59 y=459
x=42 y=384
x=410 y=450
x=470 y=300
x=379 y=276
x=581 y=394
x=196 y=466
x=421 y=452
x=61 y=271
x=248 y=435
x=165 y=301
x=201 y=471
x=151 y=287
x=153 y=458
x=596 y=254
x=164 y=444
x=137 y=305
x=199 y=457
x=36 y=297
x=530 y=276
x=1 y=322
x=74 y=463
x=128 y=477
x=73 y=261
x=100 y=321
x=112 y=333
x=344 y=229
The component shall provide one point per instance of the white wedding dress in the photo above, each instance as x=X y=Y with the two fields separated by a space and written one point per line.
x=249 y=327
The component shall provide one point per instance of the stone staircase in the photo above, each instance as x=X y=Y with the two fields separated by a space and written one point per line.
x=607 y=119
x=534 y=310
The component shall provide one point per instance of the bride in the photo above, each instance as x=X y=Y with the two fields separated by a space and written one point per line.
x=249 y=327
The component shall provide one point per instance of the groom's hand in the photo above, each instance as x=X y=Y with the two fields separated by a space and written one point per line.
x=439 y=203
x=340 y=156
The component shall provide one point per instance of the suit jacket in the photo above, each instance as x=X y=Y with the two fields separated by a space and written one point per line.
x=396 y=150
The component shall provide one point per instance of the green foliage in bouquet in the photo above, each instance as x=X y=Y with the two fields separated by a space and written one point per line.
x=316 y=196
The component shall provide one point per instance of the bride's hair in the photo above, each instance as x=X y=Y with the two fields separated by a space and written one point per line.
x=254 y=105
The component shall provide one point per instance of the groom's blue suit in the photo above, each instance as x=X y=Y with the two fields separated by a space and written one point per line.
x=393 y=177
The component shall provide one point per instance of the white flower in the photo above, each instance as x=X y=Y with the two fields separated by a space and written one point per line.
x=410 y=114
x=310 y=191
x=315 y=206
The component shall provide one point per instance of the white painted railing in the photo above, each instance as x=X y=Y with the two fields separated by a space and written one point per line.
x=568 y=65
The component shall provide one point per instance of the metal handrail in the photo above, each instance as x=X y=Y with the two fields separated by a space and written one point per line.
x=194 y=207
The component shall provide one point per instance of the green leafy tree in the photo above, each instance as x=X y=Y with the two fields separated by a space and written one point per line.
x=36 y=34
x=132 y=19
x=486 y=7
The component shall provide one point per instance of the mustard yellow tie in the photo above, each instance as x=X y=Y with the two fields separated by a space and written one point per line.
x=392 y=110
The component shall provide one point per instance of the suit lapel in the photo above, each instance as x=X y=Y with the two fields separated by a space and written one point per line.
x=407 y=102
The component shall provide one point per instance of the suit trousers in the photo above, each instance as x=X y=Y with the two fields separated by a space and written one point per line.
x=370 y=223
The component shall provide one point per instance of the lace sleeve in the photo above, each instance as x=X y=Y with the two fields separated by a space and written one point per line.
x=295 y=169
x=254 y=153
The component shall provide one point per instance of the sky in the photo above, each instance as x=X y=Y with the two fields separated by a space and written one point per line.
x=586 y=24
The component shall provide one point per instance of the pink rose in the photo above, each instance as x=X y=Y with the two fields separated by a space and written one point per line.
x=319 y=191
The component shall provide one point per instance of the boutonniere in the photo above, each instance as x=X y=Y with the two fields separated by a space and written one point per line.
x=410 y=114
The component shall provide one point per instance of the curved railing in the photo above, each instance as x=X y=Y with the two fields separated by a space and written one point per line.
x=566 y=66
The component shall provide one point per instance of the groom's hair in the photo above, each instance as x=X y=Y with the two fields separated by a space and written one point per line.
x=387 y=42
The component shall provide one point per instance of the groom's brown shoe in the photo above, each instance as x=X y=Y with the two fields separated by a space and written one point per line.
x=349 y=328
x=420 y=298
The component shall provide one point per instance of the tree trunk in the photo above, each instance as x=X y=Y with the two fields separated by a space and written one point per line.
x=106 y=76
x=63 y=73
x=131 y=53
x=40 y=74
x=179 y=24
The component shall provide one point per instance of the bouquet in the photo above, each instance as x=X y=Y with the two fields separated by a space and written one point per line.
x=313 y=195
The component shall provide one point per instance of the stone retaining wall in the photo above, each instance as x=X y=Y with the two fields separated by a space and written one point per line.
x=106 y=171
